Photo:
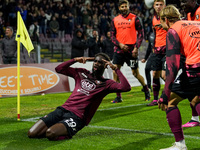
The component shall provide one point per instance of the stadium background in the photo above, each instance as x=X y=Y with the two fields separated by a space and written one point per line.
x=71 y=15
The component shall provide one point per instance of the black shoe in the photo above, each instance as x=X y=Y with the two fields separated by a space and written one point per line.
x=147 y=95
x=117 y=100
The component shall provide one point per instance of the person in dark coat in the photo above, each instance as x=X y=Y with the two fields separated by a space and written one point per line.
x=9 y=47
x=107 y=45
x=79 y=44
x=94 y=44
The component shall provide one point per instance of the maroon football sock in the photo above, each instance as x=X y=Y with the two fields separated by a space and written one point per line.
x=156 y=88
x=197 y=107
x=175 y=123
x=119 y=95
x=194 y=112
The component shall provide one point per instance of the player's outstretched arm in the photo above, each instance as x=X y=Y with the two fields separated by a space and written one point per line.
x=83 y=59
x=124 y=85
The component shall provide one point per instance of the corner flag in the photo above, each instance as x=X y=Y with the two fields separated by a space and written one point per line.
x=22 y=34
x=23 y=37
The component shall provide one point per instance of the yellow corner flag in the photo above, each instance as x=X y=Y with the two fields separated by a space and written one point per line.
x=22 y=34
x=23 y=37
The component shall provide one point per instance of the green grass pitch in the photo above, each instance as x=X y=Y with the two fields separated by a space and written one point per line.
x=130 y=125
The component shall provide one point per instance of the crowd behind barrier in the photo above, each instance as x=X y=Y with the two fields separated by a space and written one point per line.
x=58 y=19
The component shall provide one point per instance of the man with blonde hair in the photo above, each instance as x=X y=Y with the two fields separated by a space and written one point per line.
x=182 y=38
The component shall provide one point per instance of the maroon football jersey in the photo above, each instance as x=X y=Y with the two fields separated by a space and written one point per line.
x=89 y=91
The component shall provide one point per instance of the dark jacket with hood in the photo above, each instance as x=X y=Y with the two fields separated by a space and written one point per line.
x=78 y=45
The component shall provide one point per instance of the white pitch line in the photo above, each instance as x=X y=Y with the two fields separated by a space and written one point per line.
x=31 y=119
x=123 y=129
x=36 y=118
x=121 y=107
x=140 y=131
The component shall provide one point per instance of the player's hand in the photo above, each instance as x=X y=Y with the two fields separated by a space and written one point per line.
x=123 y=47
x=161 y=105
x=143 y=60
x=83 y=59
x=135 y=52
x=108 y=63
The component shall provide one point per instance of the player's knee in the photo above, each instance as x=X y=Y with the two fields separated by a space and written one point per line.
x=32 y=133
x=50 y=134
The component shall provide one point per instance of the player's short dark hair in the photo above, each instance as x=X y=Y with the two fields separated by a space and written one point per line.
x=103 y=55
x=122 y=2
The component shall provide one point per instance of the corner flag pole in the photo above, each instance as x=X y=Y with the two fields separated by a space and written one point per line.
x=18 y=79
x=18 y=67
x=23 y=37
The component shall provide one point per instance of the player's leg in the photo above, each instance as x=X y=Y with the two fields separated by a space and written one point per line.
x=133 y=63
x=175 y=122
x=195 y=117
x=163 y=75
x=56 y=132
x=66 y=128
x=156 y=67
x=194 y=104
x=136 y=74
x=115 y=77
x=148 y=72
x=156 y=84
x=184 y=87
x=163 y=72
x=118 y=60
x=38 y=130
x=156 y=88
x=194 y=120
